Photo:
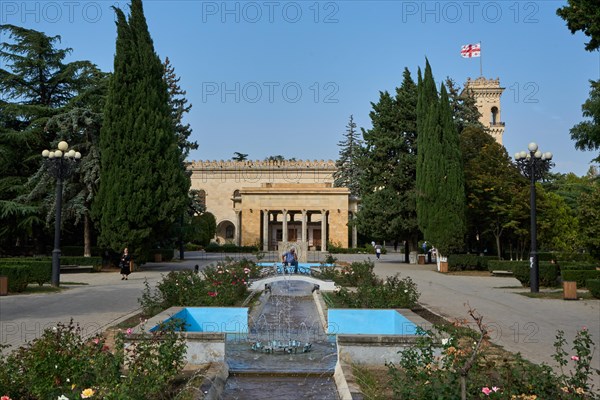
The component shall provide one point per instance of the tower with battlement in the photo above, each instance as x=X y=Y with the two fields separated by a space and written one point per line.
x=487 y=94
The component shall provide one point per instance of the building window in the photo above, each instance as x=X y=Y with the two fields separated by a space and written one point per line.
x=229 y=232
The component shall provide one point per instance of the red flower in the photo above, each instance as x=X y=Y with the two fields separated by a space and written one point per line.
x=212 y=294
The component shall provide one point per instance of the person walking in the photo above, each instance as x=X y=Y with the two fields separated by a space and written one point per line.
x=124 y=264
x=378 y=251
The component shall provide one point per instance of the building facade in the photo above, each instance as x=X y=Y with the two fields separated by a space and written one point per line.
x=487 y=94
x=265 y=203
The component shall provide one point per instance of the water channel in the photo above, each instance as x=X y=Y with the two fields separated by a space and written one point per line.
x=290 y=314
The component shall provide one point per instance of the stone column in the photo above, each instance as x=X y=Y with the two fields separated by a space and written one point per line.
x=265 y=230
x=304 y=227
x=238 y=228
x=323 y=230
x=284 y=236
x=354 y=233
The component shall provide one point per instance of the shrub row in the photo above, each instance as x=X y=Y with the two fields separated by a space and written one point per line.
x=570 y=265
x=36 y=271
x=557 y=256
x=580 y=276
x=593 y=286
x=64 y=260
x=501 y=265
x=548 y=273
x=18 y=276
x=467 y=262
x=229 y=248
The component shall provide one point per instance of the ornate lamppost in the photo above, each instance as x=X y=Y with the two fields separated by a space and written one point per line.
x=60 y=163
x=533 y=165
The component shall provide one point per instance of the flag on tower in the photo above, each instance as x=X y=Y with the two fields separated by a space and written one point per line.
x=471 y=50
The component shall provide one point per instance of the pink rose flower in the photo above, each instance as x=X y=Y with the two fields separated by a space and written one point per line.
x=575 y=358
x=486 y=390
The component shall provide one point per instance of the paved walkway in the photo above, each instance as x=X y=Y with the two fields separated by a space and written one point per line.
x=519 y=323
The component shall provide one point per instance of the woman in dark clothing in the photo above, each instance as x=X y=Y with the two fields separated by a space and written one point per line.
x=124 y=264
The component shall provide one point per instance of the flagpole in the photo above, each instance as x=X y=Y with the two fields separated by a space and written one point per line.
x=480 y=62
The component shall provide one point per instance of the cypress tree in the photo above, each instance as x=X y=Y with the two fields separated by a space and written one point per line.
x=348 y=171
x=440 y=181
x=143 y=189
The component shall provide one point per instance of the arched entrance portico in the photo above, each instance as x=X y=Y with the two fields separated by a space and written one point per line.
x=225 y=232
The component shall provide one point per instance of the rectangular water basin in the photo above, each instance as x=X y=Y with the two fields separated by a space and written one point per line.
x=368 y=322
x=209 y=319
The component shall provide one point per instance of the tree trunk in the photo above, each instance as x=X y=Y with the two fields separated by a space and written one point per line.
x=87 y=245
x=498 y=250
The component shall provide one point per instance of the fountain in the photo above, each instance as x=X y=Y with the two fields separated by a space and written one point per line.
x=290 y=338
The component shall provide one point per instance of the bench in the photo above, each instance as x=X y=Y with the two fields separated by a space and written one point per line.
x=502 y=273
x=65 y=269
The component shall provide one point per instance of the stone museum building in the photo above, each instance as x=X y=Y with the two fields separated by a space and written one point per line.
x=265 y=203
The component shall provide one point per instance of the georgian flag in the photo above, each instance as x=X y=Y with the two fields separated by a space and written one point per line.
x=471 y=50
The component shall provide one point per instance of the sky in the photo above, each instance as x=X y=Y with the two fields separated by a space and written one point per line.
x=283 y=77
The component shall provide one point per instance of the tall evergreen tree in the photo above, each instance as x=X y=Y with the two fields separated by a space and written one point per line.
x=143 y=189
x=387 y=163
x=464 y=107
x=36 y=84
x=179 y=108
x=440 y=179
x=348 y=171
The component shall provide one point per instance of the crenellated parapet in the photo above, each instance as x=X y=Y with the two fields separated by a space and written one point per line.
x=260 y=164
x=482 y=82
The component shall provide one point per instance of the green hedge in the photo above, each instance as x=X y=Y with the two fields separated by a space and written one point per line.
x=93 y=261
x=593 y=286
x=580 y=276
x=548 y=273
x=467 y=262
x=580 y=257
x=41 y=272
x=501 y=265
x=18 y=276
x=577 y=265
x=229 y=248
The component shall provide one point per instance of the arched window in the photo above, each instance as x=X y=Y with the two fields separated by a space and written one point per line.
x=494 y=118
x=236 y=193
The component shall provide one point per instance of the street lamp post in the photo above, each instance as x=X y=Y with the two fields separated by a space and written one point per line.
x=533 y=165
x=60 y=164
